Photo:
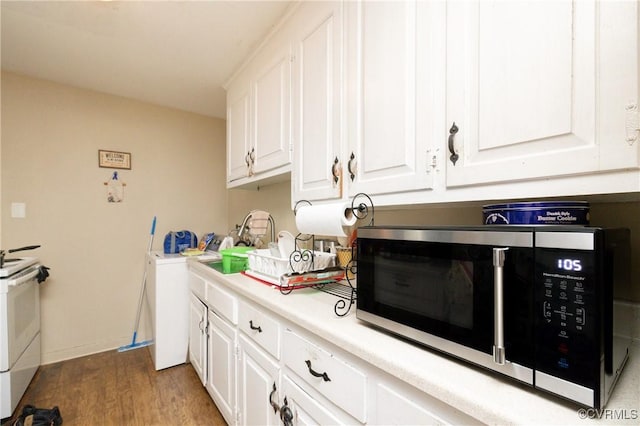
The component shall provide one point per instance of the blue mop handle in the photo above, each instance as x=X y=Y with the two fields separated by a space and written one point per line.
x=144 y=280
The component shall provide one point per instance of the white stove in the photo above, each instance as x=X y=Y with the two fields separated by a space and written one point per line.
x=13 y=265
x=19 y=329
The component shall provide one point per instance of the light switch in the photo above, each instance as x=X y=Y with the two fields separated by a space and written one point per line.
x=18 y=210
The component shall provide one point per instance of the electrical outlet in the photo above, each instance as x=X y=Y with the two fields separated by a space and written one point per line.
x=18 y=210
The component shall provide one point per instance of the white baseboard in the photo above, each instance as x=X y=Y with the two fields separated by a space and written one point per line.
x=84 y=350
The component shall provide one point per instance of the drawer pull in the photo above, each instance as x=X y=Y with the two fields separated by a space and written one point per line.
x=253 y=327
x=316 y=374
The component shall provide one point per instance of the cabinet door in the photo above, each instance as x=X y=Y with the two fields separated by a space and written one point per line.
x=271 y=133
x=258 y=374
x=198 y=337
x=392 y=103
x=221 y=375
x=539 y=89
x=317 y=97
x=238 y=131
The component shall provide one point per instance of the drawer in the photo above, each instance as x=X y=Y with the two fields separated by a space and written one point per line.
x=223 y=302
x=340 y=382
x=397 y=409
x=197 y=285
x=309 y=411
x=260 y=327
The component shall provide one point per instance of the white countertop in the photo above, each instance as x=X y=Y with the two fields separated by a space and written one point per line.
x=161 y=257
x=484 y=395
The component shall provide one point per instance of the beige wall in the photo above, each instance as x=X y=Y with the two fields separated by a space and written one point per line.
x=276 y=199
x=50 y=140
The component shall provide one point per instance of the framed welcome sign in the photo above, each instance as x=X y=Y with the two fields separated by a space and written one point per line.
x=114 y=159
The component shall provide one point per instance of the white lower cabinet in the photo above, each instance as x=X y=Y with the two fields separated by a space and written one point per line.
x=342 y=383
x=258 y=366
x=396 y=409
x=221 y=366
x=213 y=341
x=260 y=327
x=258 y=384
x=306 y=410
x=261 y=369
x=399 y=404
x=198 y=336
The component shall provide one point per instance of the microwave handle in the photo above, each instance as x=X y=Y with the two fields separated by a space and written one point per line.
x=498 y=313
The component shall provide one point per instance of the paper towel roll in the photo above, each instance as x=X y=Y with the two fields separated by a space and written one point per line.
x=326 y=219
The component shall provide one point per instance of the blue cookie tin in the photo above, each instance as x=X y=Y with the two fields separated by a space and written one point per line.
x=538 y=213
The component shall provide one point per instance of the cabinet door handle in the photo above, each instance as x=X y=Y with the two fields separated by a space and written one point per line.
x=250 y=159
x=254 y=327
x=274 y=404
x=452 y=134
x=324 y=376
x=335 y=172
x=285 y=413
x=351 y=166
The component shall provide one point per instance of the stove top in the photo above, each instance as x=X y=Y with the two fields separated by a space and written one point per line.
x=15 y=265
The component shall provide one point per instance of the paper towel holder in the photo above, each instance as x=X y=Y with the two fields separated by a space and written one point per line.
x=360 y=205
x=362 y=208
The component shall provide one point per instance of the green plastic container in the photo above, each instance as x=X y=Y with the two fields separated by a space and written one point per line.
x=235 y=259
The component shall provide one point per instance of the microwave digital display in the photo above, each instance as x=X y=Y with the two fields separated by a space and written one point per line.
x=573 y=265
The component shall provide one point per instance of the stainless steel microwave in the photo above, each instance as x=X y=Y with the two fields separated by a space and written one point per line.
x=534 y=303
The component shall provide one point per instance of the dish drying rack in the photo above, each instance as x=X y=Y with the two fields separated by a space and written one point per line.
x=362 y=207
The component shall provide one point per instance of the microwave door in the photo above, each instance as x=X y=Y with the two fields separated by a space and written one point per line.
x=469 y=300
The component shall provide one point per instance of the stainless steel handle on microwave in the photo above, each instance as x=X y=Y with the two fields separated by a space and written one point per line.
x=498 y=313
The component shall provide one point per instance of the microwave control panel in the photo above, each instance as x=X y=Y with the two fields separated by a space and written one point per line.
x=567 y=314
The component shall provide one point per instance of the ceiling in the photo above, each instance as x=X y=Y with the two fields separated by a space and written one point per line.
x=171 y=53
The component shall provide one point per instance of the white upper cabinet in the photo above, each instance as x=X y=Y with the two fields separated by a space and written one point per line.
x=258 y=117
x=317 y=101
x=362 y=97
x=538 y=89
x=271 y=134
x=238 y=132
x=392 y=110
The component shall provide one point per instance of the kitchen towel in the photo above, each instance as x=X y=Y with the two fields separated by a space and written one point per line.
x=333 y=219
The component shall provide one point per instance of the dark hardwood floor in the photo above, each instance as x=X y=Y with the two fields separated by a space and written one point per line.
x=112 y=388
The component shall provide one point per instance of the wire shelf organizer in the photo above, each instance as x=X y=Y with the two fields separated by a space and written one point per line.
x=344 y=288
